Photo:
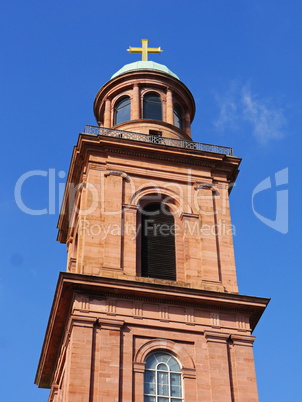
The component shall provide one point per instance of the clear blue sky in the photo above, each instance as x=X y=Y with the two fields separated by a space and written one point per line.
x=242 y=62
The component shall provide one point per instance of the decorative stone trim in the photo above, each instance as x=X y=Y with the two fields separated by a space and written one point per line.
x=195 y=304
x=116 y=173
x=137 y=310
x=189 y=373
x=175 y=198
x=218 y=337
x=185 y=215
x=164 y=313
x=139 y=367
x=165 y=344
x=111 y=307
x=81 y=321
x=54 y=392
x=242 y=323
x=167 y=157
x=190 y=317
x=206 y=186
x=215 y=320
x=243 y=340
x=71 y=264
x=130 y=207
x=113 y=325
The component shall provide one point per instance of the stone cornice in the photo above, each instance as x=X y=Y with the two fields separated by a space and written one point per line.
x=69 y=284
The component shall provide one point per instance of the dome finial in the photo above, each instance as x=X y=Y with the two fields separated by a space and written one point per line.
x=144 y=50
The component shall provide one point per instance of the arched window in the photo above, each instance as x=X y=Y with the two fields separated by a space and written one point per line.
x=177 y=116
x=158 y=242
x=162 y=380
x=152 y=108
x=122 y=110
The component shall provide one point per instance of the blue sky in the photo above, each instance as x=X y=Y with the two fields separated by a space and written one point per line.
x=242 y=62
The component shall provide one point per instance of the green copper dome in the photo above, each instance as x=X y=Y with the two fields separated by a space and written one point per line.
x=143 y=65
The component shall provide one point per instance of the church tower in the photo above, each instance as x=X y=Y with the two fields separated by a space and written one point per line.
x=148 y=309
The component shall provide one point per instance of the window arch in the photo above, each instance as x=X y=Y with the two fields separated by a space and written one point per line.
x=158 y=242
x=177 y=116
x=152 y=107
x=122 y=110
x=162 y=378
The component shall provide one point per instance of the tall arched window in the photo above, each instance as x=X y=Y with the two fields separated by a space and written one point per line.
x=162 y=381
x=122 y=110
x=152 y=108
x=158 y=242
x=177 y=116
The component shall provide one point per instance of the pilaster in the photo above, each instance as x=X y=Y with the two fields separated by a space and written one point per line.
x=107 y=114
x=244 y=376
x=209 y=240
x=219 y=366
x=112 y=218
x=129 y=234
x=169 y=107
x=192 y=252
x=109 y=352
x=78 y=388
x=135 y=107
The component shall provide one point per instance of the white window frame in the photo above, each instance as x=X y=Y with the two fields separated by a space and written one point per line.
x=156 y=396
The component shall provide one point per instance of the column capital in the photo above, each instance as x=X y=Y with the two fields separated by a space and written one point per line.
x=82 y=321
x=218 y=337
x=113 y=325
x=139 y=367
x=189 y=373
x=130 y=207
x=242 y=340
x=206 y=186
x=120 y=173
x=186 y=215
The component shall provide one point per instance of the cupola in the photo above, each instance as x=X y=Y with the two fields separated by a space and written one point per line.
x=146 y=97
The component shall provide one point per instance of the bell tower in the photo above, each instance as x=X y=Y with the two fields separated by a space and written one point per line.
x=148 y=309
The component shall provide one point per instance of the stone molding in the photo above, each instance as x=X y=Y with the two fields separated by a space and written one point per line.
x=116 y=173
x=218 y=337
x=243 y=340
x=165 y=344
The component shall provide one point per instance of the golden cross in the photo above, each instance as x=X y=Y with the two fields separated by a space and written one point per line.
x=144 y=50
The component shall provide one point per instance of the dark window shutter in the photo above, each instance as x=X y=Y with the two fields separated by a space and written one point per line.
x=158 y=243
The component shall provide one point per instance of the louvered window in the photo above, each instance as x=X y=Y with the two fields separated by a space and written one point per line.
x=158 y=242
